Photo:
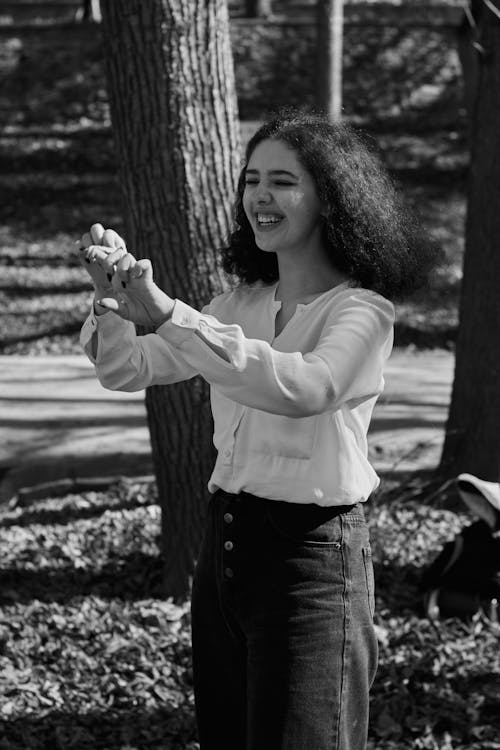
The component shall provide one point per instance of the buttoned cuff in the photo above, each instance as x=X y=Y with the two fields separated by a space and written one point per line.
x=107 y=323
x=183 y=322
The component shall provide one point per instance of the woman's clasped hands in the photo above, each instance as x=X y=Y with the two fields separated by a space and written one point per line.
x=122 y=283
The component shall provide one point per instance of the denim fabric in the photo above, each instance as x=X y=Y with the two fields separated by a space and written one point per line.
x=284 y=650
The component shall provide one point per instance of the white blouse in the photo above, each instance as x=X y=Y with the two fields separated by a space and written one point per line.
x=291 y=412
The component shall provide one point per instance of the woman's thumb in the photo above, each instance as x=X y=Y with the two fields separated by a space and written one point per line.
x=109 y=303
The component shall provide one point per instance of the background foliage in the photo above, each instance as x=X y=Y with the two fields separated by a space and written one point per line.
x=57 y=158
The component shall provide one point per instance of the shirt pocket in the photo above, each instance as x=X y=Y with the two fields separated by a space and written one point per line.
x=275 y=435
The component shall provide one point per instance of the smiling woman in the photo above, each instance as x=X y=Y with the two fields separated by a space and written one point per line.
x=284 y=649
x=365 y=230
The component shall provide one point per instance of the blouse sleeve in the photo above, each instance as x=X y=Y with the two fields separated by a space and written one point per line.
x=127 y=362
x=346 y=365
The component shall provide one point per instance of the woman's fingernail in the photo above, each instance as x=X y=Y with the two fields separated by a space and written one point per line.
x=124 y=284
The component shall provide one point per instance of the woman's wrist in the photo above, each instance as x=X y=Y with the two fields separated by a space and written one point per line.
x=165 y=314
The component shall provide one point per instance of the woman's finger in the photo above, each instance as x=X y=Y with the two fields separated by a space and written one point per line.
x=96 y=232
x=124 y=266
x=84 y=241
x=98 y=254
x=113 y=239
x=142 y=268
x=113 y=255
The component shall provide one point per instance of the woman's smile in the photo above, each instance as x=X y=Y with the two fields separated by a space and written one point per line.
x=267 y=221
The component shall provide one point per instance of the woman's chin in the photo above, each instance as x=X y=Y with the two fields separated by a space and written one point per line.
x=266 y=248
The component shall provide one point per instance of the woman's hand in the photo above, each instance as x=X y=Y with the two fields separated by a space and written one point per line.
x=114 y=245
x=123 y=284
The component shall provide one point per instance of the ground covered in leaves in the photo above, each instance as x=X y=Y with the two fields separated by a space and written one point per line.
x=92 y=656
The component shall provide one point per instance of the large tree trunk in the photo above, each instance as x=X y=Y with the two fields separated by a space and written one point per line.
x=472 y=443
x=330 y=29
x=173 y=105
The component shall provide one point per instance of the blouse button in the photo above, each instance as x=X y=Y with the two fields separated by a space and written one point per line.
x=228 y=518
x=228 y=546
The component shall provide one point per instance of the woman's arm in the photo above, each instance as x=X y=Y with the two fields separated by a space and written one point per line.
x=345 y=366
x=123 y=360
x=126 y=362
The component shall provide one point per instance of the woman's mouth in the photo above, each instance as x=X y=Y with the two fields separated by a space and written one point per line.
x=267 y=221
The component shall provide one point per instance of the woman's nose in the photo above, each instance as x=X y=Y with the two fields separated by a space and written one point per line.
x=262 y=194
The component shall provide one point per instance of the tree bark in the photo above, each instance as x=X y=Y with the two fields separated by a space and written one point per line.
x=173 y=105
x=472 y=442
x=330 y=25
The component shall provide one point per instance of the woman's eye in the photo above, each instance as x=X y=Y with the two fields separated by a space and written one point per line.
x=251 y=182
x=283 y=182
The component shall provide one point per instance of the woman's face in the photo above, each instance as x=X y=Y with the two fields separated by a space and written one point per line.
x=280 y=199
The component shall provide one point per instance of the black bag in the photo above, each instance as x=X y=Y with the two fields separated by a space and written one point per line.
x=465 y=576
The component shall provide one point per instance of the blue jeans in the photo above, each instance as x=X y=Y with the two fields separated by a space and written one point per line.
x=284 y=650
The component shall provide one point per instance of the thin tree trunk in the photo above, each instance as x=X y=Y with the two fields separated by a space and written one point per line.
x=468 y=54
x=173 y=104
x=258 y=8
x=330 y=25
x=90 y=11
x=473 y=440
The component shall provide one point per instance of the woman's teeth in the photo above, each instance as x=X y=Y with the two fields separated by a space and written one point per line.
x=267 y=219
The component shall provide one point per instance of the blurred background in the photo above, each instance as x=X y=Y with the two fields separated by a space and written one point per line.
x=402 y=84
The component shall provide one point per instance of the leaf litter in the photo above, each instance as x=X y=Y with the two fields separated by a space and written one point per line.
x=93 y=656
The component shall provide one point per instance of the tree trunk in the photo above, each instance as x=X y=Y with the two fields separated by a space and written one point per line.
x=258 y=8
x=173 y=105
x=472 y=443
x=330 y=25
x=90 y=11
x=468 y=53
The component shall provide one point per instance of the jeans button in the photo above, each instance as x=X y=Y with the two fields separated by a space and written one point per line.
x=228 y=546
x=228 y=518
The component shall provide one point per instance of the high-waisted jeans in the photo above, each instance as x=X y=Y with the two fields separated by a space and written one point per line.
x=284 y=649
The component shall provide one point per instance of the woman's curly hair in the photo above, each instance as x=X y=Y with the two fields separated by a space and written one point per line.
x=367 y=233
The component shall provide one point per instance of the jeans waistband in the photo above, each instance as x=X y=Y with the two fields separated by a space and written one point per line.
x=247 y=500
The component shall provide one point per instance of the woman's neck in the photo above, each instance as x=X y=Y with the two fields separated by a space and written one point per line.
x=298 y=281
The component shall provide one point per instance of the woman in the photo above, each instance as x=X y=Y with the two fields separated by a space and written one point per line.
x=284 y=649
